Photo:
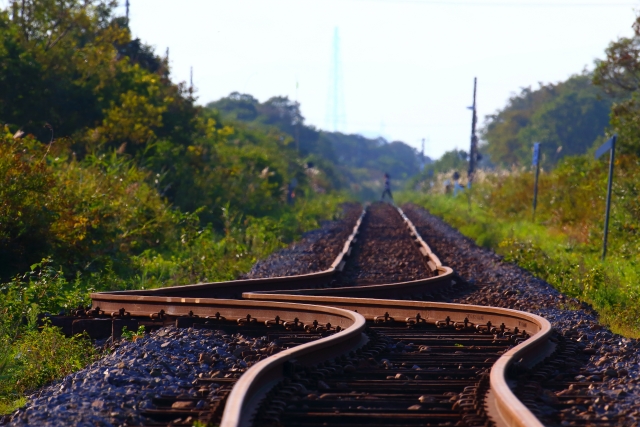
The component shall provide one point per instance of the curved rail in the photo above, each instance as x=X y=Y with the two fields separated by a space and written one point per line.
x=234 y=288
x=257 y=381
x=304 y=294
x=503 y=406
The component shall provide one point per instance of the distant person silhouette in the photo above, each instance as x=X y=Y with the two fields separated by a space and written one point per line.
x=456 y=185
x=387 y=187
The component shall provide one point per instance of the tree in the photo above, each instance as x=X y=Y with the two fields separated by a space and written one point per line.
x=72 y=66
x=345 y=159
x=619 y=75
x=566 y=118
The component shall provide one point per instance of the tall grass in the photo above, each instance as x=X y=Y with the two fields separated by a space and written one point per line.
x=563 y=244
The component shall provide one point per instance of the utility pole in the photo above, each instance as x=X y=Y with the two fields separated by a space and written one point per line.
x=473 y=151
x=191 y=80
x=126 y=4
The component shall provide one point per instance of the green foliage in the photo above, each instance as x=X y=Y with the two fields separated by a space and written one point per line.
x=566 y=118
x=25 y=211
x=618 y=75
x=351 y=161
x=132 y=335
x=30 y=357
x=450 y=162
x=111 y=178
x=67 y=66
x=201 y=255
x=39 y=357
x=247 y=169
x=563 y=246
x=100 y=210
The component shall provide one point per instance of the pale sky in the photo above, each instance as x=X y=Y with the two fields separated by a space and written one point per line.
x=407 y=67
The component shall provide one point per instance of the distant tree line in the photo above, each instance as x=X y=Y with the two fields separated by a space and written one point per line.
x=352 y=161
x=567 y=118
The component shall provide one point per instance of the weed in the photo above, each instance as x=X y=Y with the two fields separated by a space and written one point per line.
x=39 y=357
x=132 y=335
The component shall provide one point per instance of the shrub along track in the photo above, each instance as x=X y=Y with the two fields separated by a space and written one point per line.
x=395 y=355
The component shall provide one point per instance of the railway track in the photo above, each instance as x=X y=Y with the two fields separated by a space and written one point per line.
x=353 y=350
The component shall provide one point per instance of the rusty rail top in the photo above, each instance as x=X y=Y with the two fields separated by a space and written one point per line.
x=503 y=406
x=303 y=298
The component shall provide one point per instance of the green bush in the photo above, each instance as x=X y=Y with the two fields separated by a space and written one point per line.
x=202 y=255
x=31 y=357
x=137 y=188
x=563 y=245
x=39 y=357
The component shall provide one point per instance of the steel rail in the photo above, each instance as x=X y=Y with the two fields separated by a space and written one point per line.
x=414 y=289
x=433 y=261
x=234 y=288
x=502 y=405
x=260 y=378
x=260 y=295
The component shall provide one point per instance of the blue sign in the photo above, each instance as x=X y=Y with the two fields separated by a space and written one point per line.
x=536 y=154
x=606 y=146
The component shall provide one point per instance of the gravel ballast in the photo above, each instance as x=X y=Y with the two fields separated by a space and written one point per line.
x=115 y=390
x=608 y=362
x=314 y=252
x=384 y=251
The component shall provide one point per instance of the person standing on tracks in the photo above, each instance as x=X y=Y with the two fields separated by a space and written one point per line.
x=387 y=187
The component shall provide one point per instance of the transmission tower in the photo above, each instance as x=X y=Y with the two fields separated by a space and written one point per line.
x=335 y=107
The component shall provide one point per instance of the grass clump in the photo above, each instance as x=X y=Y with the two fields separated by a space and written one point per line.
x=39 y=357
x=563 y=245
x=132 y=335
